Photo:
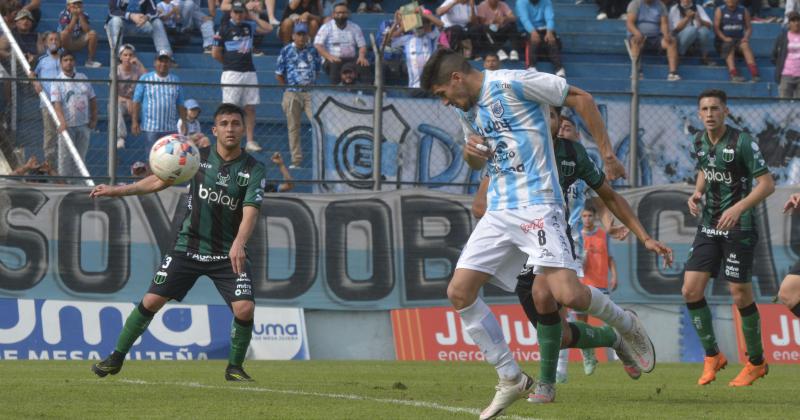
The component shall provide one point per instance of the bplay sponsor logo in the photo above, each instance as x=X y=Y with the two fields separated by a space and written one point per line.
x=216 y=197
x=718 y=176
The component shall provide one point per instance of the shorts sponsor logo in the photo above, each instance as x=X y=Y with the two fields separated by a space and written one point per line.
x=732 y=258
x=718 y=176
x=534 y=224
x=545 y=253
x=206 y=258
x=242 y=179
x=732 y=271
x=160 y=277
x=713 y=232
x=243 y=286
x=216 y=197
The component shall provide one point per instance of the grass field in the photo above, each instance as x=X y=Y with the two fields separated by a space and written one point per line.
x=374 y=390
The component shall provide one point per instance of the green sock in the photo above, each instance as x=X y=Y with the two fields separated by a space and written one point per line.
x=751 y=329
x=135 y=326
x=701 y=319
x=589 y=337
x=548 y=333
x=241 y=331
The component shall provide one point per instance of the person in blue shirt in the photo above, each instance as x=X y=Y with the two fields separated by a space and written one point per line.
x=298 y=66
x=537 y=19
x=733 y=30
x=48 y=67
x=159 y=105
x=137 y=17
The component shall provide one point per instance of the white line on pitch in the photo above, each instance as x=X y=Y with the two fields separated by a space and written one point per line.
x=423 y=404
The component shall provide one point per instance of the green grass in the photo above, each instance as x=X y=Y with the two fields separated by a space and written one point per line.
x=374 y=390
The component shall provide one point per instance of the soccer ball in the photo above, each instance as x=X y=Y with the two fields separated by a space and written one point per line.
x=174 y=159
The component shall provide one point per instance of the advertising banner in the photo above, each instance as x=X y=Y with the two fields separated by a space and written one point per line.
x=48 y=329
x=780 y=334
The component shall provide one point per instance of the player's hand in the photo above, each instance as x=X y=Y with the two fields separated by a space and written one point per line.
x=729 y=218
x=694 y=203
x=792 y=203
x=614 y=169
x=237 y=257
x=664 y=251
x=477 y=147
x=103 y=190
x=619 y=232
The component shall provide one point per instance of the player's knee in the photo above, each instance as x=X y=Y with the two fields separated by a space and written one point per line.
x=459 y=297
x=153 y=302
x=690 y=294
x=244 y=310
x=785 y=296
x=92 y=35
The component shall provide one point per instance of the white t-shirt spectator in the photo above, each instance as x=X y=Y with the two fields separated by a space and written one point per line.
x=341 y=43
x=457 y=15
x=74 y=98
x=675 y=16
x=163 y=10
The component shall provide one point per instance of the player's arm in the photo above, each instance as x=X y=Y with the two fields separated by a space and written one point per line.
x=583 y=103
x=792 y=203
x=237 y=253
x=146 y=185
x=762 y=190
x=618 y=232
x=479 y=202
x=697 y=195
x=622 y=210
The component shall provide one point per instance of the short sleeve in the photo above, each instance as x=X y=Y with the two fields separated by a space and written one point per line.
x=587 y=170
x=751 y=156
x=633 y=8
x=360 y=41
x=90 y=91
x=63 y=21
x=541 y=87
x=280 y=66
x=138 y=92
x=55 y=92
x=662 y=8
x=256 y=186
x=401 y=41
x=322 y=34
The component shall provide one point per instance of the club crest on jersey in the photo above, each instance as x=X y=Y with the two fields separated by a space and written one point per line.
x=223 y=180
x=727 y=155
x=567 y=168
x=497 y=109
x=242 y=179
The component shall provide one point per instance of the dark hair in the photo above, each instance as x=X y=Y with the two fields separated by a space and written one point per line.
x=443 y=63
x=226 y=108
x=590 y=209
x=563 y=117
x=491 y=54
x=558 y=109
x=65 y=53
x=713 y=93
x=340 y=4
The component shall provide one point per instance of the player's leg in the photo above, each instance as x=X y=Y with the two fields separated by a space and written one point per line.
x=737 y=262
x=789 y=294
x=489 y=253
x=589 y=358
x=563 y=354
x=173 y=279
x=237 y=291
x=750 y=60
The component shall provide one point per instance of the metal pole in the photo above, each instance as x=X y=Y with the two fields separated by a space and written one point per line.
x=14 y=95
x=17 y=53
x=113 y=112
x=633 y=164
x=377 y=115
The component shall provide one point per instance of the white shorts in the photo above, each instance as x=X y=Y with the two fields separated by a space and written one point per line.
x=240 y=95
x=505 y=240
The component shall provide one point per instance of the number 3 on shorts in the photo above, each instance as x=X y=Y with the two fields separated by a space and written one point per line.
x=542 y=237
x=168 y=260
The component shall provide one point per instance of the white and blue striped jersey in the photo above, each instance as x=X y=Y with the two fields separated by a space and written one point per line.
x=159 y=112
x=512 y=113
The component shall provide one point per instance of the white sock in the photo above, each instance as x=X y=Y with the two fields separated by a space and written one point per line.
x=604 y=309
x=485 y=331
x=563 y=362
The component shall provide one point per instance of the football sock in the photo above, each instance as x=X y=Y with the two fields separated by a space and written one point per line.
x=733 y=72
x=602 y=308
x=585 y=336
x=241 y=332
x=563 y=361
x=485 y=331
x=753 y=69
x=587 y=354
x=548 y=333
x=796 y=310
x=135 y=326
x=751 y=329
x=701 y=319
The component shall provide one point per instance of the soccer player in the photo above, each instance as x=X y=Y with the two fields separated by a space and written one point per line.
x=504 y=118
x=728 y=160
x=789 y=294
x=224 y=202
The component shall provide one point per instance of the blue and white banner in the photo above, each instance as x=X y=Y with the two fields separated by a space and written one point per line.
x=80 y=330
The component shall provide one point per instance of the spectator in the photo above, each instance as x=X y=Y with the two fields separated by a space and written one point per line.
x=786 y=55
x=374 y=7
x=491 y=62
x=461 y=27
x=28 y=40
x=143 y=21
x=791 y=6
x=193 y=129
x=76 y=34
x=341 y=42
x=130 y=69
x=233 y=47
x=194 y=18
x=157 y=107
x=300 y=11
x=76 y=107
x=733 y=29
x=298 y=66
x=48 y=67
x=349 y=75
x=691 y=24
x=611 y=9
x=33 y=168
x=33 y=6
x=140 y=169
x=8 y=9
x=538 y=21
x=499 y=26
x=170 y=15
x=648 y=30
x=285 y=186
x=418 y=45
